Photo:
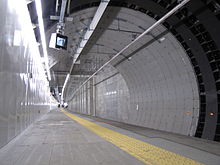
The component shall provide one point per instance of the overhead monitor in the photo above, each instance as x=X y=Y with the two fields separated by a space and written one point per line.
x=61 y=41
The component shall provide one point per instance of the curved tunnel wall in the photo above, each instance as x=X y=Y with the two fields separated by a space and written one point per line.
x=24 y=88
x=193 y=28
x=156 y=88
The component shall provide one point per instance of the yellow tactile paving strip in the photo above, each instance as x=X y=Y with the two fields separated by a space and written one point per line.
x=143 y=151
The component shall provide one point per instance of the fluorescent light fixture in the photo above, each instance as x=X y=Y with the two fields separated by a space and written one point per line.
x=97 y=17
x=42 y=33
x=34 y=26
x=65 y=105
x=38 y=44
x=64 y=86
x=29 y=1
x=162 y=39
x=53 y=40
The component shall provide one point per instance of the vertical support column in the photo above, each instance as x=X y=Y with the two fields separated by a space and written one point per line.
x=81 y=108
x=80 y=100
x=94 y=96
x=77 y=102
x=91 y=98
x=88 y=97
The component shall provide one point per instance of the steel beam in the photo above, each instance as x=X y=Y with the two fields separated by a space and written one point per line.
x=62 y=12
x=98 y=15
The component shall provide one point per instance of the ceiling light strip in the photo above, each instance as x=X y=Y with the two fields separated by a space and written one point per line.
x=42 y=34
x=139 y=37
x=98 y=15
x=64 y=86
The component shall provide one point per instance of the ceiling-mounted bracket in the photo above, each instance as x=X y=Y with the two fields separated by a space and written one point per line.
x=56 y=18
x=61 y=18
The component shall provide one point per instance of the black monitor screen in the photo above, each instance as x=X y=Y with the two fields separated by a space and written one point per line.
x=61 y=41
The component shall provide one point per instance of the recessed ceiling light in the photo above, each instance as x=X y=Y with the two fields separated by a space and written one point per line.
x=211 y=114
x=162 y=39
x=42 y=35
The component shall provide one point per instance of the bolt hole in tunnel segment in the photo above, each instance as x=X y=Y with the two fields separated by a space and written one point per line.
x=145 y=152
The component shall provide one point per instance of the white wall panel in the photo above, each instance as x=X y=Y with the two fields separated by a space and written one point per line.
x=23 y=98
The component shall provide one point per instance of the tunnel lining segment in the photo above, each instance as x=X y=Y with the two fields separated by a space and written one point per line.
x=170 y=13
